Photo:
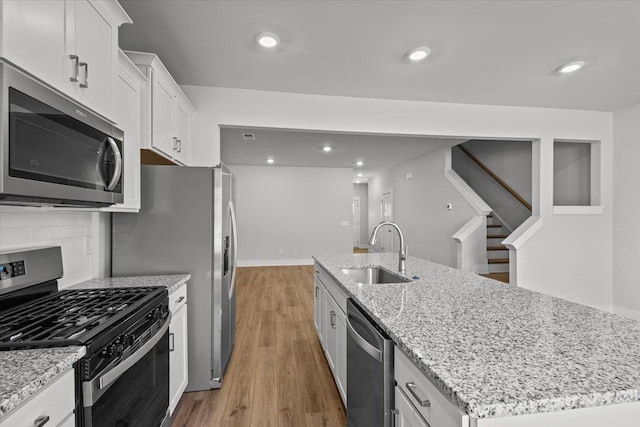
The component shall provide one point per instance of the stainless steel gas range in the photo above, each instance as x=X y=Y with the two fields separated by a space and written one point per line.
x=124 y=377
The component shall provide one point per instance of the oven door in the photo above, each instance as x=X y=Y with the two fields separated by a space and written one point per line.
x=133 y=393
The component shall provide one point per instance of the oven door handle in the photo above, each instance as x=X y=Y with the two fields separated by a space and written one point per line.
x=92 y=390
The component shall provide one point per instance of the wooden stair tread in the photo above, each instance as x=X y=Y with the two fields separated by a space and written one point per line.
x=497 y=236
x=501 y=277
x=498 y=261
x=494 y=225
x=497 y=248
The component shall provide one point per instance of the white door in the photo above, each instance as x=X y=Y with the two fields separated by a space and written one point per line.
x=356 y=221
x=386 y=213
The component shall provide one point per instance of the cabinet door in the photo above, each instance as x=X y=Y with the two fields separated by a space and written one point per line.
x=178 y=357
x=331 y=337
x=405 y=414
x=128 y=112
x=317 y=319
x=95 y=45
x=341 y=354
x=163 y=136
x=33 y=38
x=183 y=131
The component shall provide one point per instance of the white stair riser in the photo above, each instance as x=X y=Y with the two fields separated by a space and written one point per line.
x=498 y=254
x=494 y=231
x=494 y=241
x=498 y=268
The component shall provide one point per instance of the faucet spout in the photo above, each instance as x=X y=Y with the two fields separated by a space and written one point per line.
x=402 y=255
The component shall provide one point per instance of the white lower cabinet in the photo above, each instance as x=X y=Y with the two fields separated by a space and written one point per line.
x=54 y=403
x=178 y=348
x=331 y=325
x=405 y=414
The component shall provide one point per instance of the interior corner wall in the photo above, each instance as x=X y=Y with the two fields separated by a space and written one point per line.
x=626 y=223
x=362 y=191
x=287 y=214
x=419 y=206
x=588 y=257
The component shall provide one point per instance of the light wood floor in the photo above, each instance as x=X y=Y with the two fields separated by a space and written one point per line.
x=277 y=375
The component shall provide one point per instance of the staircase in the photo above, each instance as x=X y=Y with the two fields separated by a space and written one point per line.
x=497 y=253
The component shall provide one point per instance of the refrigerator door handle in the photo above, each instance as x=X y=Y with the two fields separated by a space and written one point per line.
x=232 y=215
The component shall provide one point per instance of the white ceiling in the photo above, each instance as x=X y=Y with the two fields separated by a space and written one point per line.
x=301 y=148
x=484 y=52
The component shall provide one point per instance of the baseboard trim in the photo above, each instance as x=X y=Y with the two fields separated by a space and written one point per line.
x=626 y=312
x=274 y=262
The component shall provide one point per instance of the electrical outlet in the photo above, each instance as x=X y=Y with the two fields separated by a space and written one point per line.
x=449 y=206
x=409 y=176
x=280 y=251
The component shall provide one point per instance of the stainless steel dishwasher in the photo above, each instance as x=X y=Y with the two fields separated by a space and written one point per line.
x=369 y=371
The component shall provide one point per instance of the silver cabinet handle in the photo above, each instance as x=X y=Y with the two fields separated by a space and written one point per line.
x=40 y=421
x=411 y=386
x=179 y=146
x=118 y=171
x=180 y=299
x=85 y=81
x=175 y=143
x=76 y=68
x=317 y=271
x=172 y=343
x=333 y=319
x=317 y=292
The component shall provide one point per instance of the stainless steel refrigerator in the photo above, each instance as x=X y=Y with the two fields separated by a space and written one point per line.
x=186 y=224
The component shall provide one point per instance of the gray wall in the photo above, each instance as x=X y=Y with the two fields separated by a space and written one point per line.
x=362 y=191
x=571 y=174
x=419 y=206
x=509 y=160
x=287 y=214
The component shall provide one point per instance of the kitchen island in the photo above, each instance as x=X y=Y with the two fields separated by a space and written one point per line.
x=501 y=354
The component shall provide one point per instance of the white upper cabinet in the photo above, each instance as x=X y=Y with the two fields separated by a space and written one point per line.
x=128 y=114
x=167 y=124
x=71 y=45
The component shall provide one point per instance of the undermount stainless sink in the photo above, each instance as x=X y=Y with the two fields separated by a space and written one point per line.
x=373 y=275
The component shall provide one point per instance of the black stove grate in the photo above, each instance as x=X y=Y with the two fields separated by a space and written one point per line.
x=70 y=316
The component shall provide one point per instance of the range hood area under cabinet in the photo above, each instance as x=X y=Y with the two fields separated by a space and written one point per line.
x=167 y=112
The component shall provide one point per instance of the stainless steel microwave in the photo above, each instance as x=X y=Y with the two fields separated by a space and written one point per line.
x=54 y=151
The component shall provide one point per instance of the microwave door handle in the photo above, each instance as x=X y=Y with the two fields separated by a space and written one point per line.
x=92 y=390
x=118 y=158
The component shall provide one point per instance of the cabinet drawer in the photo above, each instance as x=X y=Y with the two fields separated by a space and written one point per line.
x=55 y=401
x=432 y=405
x=338 y=294
x=177 y=299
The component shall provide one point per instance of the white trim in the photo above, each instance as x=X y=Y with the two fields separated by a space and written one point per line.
x=274 y=262
x=626 y=312
x=578 y=210
x=476 y=202
x=523 y=233
x=466 y=230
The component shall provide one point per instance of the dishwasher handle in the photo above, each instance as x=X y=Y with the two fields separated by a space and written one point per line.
x=362 y=343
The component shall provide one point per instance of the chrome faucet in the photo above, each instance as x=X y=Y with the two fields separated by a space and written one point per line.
x=403 y=250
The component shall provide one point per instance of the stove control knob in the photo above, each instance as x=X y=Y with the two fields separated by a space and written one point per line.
x=129 y=340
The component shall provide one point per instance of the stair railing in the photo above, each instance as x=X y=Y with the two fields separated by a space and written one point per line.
x=496 y=177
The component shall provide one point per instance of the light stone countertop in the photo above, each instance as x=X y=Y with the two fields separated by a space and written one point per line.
x=24 y=372
x=171 y=282
x=495 y=349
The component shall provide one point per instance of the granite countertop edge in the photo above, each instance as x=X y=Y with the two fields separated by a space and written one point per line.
x=473 y=409
x=23 y=373
x=170 y=281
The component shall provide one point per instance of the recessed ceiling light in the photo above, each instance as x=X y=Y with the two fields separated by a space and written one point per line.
x=570 y=67
x=327 y=148
x=268 y=40
x=360 y=175
x=359 y=163
x=270 y=160
x=418 y=54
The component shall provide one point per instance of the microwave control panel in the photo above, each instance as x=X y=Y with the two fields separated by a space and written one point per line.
x=12 y=269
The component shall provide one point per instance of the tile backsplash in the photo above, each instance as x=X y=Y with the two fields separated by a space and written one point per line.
x=83 y=236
